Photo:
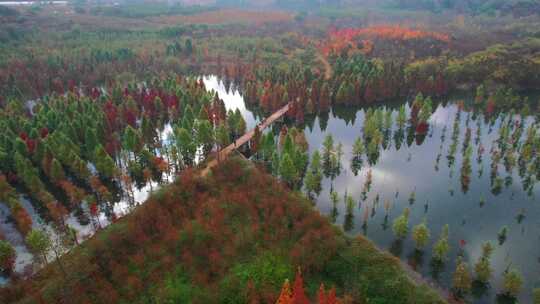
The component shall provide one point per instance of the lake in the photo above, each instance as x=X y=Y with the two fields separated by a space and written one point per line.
x=474 y=216
x=406 y=164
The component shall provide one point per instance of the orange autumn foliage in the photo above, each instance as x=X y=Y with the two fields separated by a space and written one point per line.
x=393 y=32
x=321 y=295
x=285 y=297
x=332 y=299
x=22 y=219
x=342 y=38
x=299 y=295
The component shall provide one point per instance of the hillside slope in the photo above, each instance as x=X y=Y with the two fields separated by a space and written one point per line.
x=232 y=237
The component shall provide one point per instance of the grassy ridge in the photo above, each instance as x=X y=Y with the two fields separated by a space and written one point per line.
x=205 y=240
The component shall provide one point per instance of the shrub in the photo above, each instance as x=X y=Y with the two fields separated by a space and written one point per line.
x=512 y=283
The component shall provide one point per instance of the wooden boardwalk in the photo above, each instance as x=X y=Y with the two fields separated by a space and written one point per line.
x=222 y=155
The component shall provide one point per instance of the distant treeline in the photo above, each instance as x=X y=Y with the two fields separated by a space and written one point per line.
x=518 y=8
x=491 y=7
x=146 y=10
x=6 y=11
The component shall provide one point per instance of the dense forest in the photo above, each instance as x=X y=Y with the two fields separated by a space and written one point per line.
x=88 y=149
x=109 y=121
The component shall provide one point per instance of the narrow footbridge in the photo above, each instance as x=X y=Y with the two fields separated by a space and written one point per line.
x=224 y=153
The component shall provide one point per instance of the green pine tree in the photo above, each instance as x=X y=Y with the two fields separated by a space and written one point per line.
x=287 y=170
x=358 y=147
x=57 y=171
x=401 y=224
x=442 y=246
x=482 y=268
x=38 y=243
x=461 y=280
x=186 y=146
x=421 y=235
x=104 y=163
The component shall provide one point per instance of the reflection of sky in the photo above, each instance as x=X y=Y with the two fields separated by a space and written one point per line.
x=121 y=208
x=467 y=220
x=12 y=235
x=233 y=100
x=15 y=238
x=461 y=211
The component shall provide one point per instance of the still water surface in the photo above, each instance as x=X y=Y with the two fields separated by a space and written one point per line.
x=439 y=199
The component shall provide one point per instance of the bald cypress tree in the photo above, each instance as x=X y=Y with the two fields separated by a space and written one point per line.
x=20 y=146
x=311 y=183
x=421 y=235
x=104 y=163
x=57 y=171
x=462 y=279
x=90 y=142
x=39 y=243
x=148 y=131
x=482 y=268
x=186 y=146
x=7 y=256
x=285 y=297
x=512 y=283
x=442 y=246
x=401 y=224
x=205 y=135
x=222 y=135
x=287 y=169
x=131 y=140
x=240 y=126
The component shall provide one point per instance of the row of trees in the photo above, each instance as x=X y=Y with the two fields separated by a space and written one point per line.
x=297 y=294
x=518 y=140
x=356 y=80
x=462 y=279
x=515 y=135
x=85 y=152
